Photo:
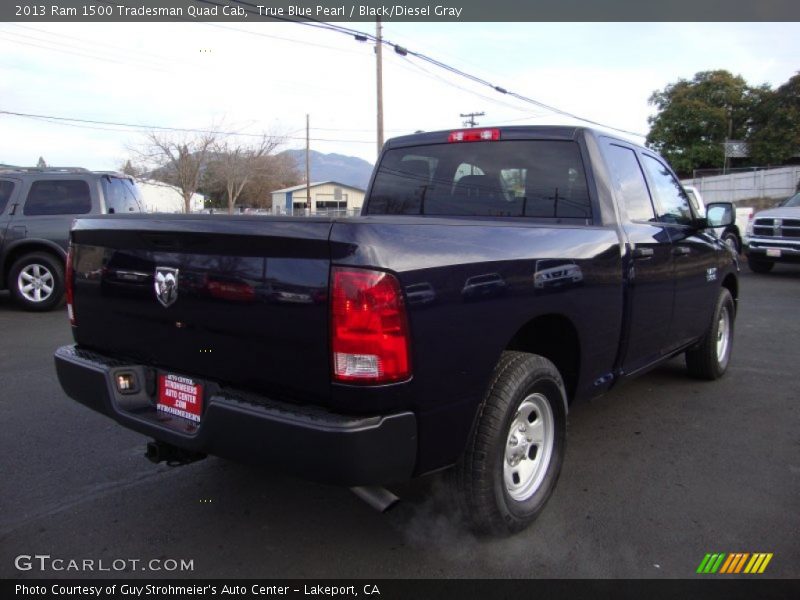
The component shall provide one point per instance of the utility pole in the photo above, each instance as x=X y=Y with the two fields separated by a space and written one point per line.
x=379 y=73
x=725 y=164
x=470 y=118
x=308 y=165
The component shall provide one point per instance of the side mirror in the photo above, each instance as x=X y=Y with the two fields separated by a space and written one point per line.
x=720 y=214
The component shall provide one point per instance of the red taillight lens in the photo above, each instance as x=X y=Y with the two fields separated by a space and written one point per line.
x=474 y=135
x=369 y=328
x=69 y=275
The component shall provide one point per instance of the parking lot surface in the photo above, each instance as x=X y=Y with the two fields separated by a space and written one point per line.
x=658 y=473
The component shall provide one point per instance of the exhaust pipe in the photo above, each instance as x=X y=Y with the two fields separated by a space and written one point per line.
x=174 y=457
x=377 y=497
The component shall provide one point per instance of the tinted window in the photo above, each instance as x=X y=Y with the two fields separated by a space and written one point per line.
x=630 y=183
x=672 y=201
x=693 y=200
x=513 y=179
x=6 y=188
x=121 y=196
x=53 y=197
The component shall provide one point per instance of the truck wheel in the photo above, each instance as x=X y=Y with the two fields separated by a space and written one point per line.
x=759 y=266
x=732 y=240
x=709 y=359
x=36 y=281
x=512 y=462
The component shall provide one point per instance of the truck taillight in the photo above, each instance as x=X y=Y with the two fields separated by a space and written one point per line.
x=474 y=135
x=69 y=275
x=369 y=328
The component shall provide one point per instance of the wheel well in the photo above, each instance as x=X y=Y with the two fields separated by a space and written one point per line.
x=555 y=338
x=732 y=286
x=22 y=250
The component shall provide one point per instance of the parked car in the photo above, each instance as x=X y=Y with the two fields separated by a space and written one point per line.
x=37 y=207
x=556 y=273
x=774 y=236
x=732 y=234
x=374 y=382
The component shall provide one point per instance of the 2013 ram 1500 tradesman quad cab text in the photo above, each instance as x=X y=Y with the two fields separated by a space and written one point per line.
x=495 y=276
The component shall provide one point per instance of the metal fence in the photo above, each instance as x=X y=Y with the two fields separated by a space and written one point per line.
x=746 y=184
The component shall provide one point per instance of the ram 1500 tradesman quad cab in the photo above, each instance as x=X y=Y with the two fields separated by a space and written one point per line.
x=495 y=276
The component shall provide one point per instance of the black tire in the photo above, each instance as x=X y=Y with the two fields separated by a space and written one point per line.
x=520 y=381
x=759 y=266
x=709 y=359
x=23 y=281
x=733 y=241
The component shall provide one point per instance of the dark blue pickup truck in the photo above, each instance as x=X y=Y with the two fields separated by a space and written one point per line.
x=494 y=277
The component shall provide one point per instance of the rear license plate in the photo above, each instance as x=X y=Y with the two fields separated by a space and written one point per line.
x=180 y=396
x=775 y=252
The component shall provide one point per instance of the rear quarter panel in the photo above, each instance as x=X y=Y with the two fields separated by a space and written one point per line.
x=470 y=285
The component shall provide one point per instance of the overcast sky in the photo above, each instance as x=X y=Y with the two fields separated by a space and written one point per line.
x=254 y=78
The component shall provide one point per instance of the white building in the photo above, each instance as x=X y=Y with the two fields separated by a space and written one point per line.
x=326 y=196
x=163 y=198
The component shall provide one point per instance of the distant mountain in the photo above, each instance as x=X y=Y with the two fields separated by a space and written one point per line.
x=349 y=170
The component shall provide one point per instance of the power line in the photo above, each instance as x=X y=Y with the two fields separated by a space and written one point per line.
x=441 y=79
x=143 y=127
x=363 y=36
x=94 y=43
x=76 y=52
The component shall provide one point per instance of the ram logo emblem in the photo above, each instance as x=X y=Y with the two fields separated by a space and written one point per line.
x=166 y=284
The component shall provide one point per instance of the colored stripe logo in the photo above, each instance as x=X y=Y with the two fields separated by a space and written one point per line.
x=735 y=563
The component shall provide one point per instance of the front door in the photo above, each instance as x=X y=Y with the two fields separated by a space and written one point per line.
x=694 y=252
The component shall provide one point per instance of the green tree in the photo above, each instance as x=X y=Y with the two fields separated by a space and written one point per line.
x=695 y=118
x=775 y=135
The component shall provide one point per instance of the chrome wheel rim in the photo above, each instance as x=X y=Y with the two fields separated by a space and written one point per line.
x=529 y=447
x=723 y=335
x=36 y=283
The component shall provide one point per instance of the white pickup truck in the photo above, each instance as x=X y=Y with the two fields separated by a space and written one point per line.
x=732 y=234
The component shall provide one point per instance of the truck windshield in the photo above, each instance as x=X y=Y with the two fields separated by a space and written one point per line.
x=793 y=201
x=544 y=179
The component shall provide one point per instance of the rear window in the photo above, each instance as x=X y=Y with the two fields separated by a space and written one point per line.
x=6 y=187
x=121 y=195
x=55 y=197
x=544 y=179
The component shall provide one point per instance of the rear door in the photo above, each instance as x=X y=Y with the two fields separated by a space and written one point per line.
x=51 y=205
x=651 y=288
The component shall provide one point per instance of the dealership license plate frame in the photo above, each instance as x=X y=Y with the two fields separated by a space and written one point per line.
x=180 y=396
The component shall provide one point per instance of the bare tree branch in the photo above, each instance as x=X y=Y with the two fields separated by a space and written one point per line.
x=235 y=165
x=179 y=160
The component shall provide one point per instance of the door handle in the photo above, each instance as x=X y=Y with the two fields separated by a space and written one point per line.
x=642 y=253
x=681 y=251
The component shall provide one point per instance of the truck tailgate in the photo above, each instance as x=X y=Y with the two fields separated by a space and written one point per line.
x=230 y=299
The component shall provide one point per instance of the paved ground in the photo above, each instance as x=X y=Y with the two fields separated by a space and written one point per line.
x=658 y=473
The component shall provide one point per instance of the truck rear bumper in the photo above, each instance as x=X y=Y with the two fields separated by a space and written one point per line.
x=310 y=442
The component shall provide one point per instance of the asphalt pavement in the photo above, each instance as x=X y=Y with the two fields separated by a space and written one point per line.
x=658 y=473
